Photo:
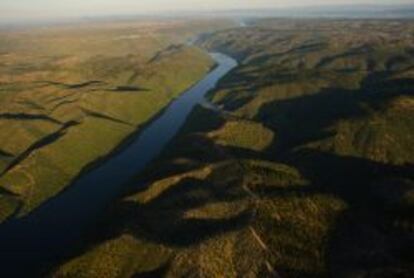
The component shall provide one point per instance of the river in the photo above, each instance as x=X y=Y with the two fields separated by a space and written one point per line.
x=55 y=227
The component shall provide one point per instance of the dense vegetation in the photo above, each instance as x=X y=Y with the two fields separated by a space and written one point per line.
x=69 y=95
x=306 y=172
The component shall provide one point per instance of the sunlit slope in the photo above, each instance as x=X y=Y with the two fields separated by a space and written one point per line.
x=347 y=85
x=214 y=205
x=51 y=130
x=339 y=99
x=307 y=170
x=213 y=214
x=106 y=51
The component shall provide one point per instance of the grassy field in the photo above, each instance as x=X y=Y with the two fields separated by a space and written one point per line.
x=308 y=172
x=69 y=95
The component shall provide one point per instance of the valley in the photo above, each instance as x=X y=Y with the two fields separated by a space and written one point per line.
x=302 y=167
x=51 y=99
x=296 y=161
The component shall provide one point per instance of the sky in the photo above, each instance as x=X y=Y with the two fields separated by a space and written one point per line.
x=22 y=10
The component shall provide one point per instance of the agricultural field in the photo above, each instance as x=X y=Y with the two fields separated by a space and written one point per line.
x=71 y=94
x=306 y=169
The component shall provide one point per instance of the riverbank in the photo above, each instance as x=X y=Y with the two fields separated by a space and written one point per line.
x=60 y=222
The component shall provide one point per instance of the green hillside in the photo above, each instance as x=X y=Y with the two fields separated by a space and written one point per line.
x=61 y=112
x=306 y=172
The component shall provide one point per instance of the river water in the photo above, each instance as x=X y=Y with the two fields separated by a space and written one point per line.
x=53 y=229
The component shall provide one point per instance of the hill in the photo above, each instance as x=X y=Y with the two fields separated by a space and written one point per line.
x=305 y=169
x=70 y=95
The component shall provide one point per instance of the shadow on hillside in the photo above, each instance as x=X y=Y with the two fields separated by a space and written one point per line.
x=28 y=117
x=304 y=119
x=159 y=272
x=188 y=152
x=91 y=113
x=366 y=237
x=171 y=218
x=363 y=238
x=5 y=192
x=47 y=140
x=164 y=218
x=127 y=88
x=5 y=154
x=72 y=86
x=375 y=234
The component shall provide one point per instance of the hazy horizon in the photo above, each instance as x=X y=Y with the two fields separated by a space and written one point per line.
x=41 y=10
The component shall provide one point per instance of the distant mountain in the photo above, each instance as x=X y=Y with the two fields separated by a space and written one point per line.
x=342 y=11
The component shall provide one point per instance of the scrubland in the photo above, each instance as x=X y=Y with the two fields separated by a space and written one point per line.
x=304 y=170
x=307 y=171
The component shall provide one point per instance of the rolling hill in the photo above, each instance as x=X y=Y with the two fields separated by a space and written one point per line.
x=303 y=169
